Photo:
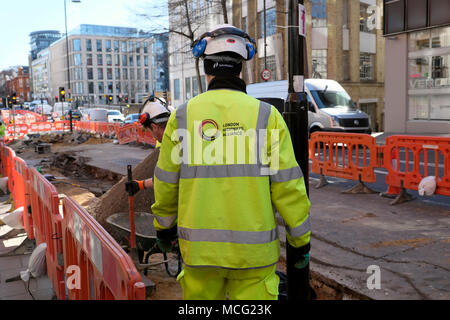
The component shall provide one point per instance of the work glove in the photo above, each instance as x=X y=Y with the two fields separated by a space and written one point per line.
x=301 y=256
x=133 y=187
x=166 y=239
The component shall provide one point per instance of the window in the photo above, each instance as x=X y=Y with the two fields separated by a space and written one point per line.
x=318 y=13
x=145 y=47
x=146 y=74
x=131 y=74
x=109 y=74
x=131 y=61
x=203 y=79
x=110 y=87
x=187 y=88
x=79 y=87
x=100 y=74
x=108 y=45
x=116 y=60
x=89 y=59
x=100 y=59
x=116 y=46
x=176 y=89
x=366 y=66
x=118 y=87
x=124 y=61
x=138 y=74
x=145 y=61
x=117 y=74
x=194 y=86
x=138 y=47
x=138 y=61
x=108 y=60
x=244 y=25
x=124 y=46
x=78 y=74
x=76 y=45
x=125 y=74
x=88 y=45
x=101 y=88
x=271 y=18
x=363 y=19
x=90 y=87
x=130 y=46
x=429 y=76
x=319 y=63
x=90 y=74
x=99 y=46
x=77 y=58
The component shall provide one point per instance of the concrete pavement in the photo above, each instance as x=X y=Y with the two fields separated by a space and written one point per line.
x=15 y=253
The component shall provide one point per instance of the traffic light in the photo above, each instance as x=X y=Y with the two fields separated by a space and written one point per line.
x=10 y=103
x=126 y=99
x=110 y=99
x=14 y=98
x=62 y=94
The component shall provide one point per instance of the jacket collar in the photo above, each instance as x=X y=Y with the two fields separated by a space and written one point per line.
x=233 y=83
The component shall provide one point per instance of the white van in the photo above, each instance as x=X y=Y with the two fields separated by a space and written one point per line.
x=330 y=108
x=98 y=114
x=61 y=108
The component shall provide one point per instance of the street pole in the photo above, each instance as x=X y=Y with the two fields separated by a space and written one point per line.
x=296 y=117
x=68 y=61
x=14 y=121
x=265 y=37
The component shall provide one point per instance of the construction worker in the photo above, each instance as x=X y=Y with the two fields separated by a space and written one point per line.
x=221 y=204
x=154 y=117
x=2 y=130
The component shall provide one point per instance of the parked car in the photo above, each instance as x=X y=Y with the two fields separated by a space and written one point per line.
x=330 y=108
x=61 y=107
x=76 y=115
x=45 y=109
x=132 y=118
x=98 y=114
x=115 y=116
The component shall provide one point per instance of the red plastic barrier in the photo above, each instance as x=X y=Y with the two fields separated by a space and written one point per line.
x=107 y=272
x=10 y=168
x=406 y=160
x=22 y=194
x=3 y=157
x=338 y=155
x=145 y=136
x=47 y=222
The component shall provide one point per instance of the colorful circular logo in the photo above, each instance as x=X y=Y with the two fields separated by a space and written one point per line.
x=207 y=127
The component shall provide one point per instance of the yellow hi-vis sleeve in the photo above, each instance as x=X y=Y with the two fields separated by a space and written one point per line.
x=288 y=188
x=166 y=179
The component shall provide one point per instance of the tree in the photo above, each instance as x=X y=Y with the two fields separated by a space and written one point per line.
x=186 y=19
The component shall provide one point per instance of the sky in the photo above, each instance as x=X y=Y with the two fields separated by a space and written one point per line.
x=18 y=18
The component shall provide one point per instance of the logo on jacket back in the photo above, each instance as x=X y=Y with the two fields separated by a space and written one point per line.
x=209 y=130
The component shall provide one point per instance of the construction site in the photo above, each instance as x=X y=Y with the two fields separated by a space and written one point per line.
x=351 y=233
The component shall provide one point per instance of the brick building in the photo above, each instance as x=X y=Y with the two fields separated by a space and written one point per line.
x=18 y=82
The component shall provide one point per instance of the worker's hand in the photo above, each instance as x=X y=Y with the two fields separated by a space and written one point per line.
x=133 y=187
x=302 y=262
x=164 y=245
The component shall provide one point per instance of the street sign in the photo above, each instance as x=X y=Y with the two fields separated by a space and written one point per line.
x=266 y=74
x=302 y=20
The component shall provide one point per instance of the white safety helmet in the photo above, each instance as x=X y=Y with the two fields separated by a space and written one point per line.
x=152 y=113
x=225 y=38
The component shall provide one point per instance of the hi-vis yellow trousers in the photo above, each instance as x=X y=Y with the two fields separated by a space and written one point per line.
x=218 y=284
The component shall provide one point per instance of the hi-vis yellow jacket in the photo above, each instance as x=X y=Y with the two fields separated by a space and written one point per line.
x=225 y=166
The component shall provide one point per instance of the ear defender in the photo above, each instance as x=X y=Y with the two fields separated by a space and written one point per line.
x=199 y=48
x=251 y=51
x=144 y=119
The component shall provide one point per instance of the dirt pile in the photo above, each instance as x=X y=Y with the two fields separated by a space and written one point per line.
x=116 y=199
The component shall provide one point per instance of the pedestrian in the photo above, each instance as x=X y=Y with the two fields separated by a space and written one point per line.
x=221 y=205
x=154 y=117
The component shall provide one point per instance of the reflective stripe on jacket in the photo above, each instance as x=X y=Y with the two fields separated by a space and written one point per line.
x=223 y=195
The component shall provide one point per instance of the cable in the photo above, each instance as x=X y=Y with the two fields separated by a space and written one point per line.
x=28 y=288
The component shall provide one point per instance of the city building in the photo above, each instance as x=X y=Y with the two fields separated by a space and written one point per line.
x=160 y=62
x=16 y=81
x=417 y=94
x=183 y=76
x=40 y=40
x=40 y=76
x=104 y=61
x=344 y=42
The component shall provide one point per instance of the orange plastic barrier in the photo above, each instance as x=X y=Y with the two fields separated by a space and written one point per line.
x=406 y=160
x=145 y=136
x=338 y=155
x=127 y=134
x=10 y=168
x=47 y=222
x=107 y=272
x=22 y=194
